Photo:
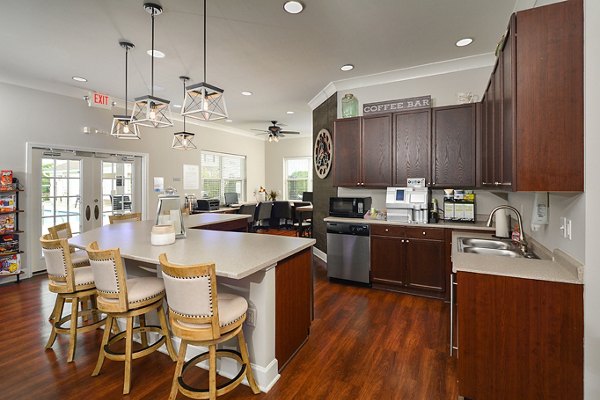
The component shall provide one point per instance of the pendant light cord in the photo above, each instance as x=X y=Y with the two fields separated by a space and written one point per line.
x=204 y=41
x=152 y=63
x=126 y=54
x=183 y=80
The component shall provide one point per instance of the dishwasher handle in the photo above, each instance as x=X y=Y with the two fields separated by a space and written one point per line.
x=453 y=334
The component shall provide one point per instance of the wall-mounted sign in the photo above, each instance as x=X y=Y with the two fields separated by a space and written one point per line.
x=100 y=100
x=323 y=153
x=389 y=106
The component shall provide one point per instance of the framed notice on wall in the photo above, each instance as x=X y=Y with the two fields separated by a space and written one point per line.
x=191 y=177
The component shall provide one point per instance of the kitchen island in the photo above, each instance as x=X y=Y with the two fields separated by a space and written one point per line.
x=272 y=272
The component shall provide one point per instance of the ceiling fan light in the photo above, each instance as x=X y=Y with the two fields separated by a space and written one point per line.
x=123 y=129
x=204 y=101
x=183 y=141
x=293 y=7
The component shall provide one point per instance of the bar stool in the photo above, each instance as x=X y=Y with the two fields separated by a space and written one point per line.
x=63 y=231
x=119 y=297
x=116 y=219
x=200 y=316
x=74 y=285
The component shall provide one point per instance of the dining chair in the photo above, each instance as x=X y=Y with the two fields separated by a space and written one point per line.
x=129 y=217
x=202 y=317
x=63 y=231
x=262 y=215
x=119 y=297
x=71 y=285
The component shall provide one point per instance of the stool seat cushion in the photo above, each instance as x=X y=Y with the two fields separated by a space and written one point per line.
x=231 y=309
x=79 y=256
x=83 y=276
x=141 y=289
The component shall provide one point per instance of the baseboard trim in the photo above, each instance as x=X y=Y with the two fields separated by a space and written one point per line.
x=320 y=254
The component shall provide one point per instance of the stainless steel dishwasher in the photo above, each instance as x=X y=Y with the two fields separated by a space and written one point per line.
x=348 y=252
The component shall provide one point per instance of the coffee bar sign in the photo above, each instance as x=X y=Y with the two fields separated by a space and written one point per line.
x=412 y=103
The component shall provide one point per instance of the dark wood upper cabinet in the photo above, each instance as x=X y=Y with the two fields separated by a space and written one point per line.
x=376 y=160
x=454 y=133
x=346 y=155
x=549 y=98
x=412 y=137
x=362 y=154
x=533 y=129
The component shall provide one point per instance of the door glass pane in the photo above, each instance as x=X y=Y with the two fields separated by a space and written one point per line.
x=61 y=187
x=62 y=168
x=74 y=167
x=60 y=190
x=117 y=188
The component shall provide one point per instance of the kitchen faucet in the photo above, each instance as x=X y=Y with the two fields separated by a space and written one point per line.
x=522 y=242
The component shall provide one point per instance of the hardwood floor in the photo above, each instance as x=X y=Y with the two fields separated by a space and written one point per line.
x=364 y=344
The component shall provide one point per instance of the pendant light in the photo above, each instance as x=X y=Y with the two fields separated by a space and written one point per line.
x=203 y=100
x=148 y=110
x=183 y=140
x=121 y=126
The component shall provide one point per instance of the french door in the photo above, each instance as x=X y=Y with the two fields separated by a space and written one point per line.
x=82 y=188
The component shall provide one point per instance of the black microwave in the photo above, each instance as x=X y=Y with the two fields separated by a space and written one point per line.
x=349 y=207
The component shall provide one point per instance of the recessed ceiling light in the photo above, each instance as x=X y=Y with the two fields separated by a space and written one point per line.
x=79 y=79
x=246 y=93
x=293 y=7
x=157 y=53
x=347 y=67
x=176 y=105
x=464 y=42
x=290 y=112
x=228 y=120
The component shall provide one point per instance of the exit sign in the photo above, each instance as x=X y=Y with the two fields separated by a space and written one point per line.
x=100 y=100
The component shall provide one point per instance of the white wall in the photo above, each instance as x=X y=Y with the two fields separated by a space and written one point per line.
x=28 y=115
x=442 y=88
x=275 y=154
x=592 y=200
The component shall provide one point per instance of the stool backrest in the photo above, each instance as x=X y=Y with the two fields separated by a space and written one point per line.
x=110 y=278
x=192 y=296
x=116 y=219
x=58 y=264
x=61 y=231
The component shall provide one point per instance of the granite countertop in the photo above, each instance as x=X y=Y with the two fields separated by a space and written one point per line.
x=477 y=226
x=553 y=267
x=236 y=254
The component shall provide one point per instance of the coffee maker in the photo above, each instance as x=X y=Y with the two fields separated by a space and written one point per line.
x=408 y=204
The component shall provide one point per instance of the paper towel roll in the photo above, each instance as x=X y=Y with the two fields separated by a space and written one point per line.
x=501 y=224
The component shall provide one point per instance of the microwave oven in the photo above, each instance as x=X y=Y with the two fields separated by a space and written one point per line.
x=349 y=207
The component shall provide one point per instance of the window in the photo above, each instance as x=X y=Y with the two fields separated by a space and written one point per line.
x=298 y=177
x=222 y=173
x=117 y=189
x=61 y=181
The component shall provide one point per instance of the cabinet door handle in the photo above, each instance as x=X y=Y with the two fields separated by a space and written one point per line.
x=402 y=241
x=424 y=233
x=407 y=241
x=387 y=230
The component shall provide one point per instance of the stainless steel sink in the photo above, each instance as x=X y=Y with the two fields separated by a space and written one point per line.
x=492 y=247
x=492 y=252
x=485 y=243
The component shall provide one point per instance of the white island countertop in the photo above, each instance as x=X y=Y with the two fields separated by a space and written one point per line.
x=558 y=267
x=236 y=254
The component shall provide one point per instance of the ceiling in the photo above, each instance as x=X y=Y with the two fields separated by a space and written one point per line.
x=252 y=45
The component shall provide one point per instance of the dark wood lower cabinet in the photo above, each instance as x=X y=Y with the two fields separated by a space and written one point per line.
x=519 y=338
x=409 y=259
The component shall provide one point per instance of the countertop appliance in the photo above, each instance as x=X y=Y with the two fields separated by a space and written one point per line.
x=408 y=204
x=348 y=252
x=349 y=207
x=208 y=204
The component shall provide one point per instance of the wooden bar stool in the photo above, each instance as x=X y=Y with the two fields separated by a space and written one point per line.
x=79 y=258
x=120 y=297
x=74 y=285
x=130 y=217
x=201 y=317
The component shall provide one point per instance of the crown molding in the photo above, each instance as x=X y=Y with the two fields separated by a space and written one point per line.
x=398 y=75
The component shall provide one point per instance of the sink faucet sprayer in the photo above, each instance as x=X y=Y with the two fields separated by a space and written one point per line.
x=522 y=240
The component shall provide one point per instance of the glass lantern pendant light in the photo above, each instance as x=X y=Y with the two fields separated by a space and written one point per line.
x=121 y=126
x=203 y=100
x=149 y=110
x=183 y=140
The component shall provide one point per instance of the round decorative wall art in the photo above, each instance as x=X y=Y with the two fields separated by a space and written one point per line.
x=323 y=153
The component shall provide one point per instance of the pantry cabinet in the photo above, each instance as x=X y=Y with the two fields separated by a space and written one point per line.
x=533 y=105
x=409 y=259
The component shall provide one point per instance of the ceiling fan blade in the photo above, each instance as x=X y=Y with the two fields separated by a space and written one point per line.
x=260 y=130
x=290 y=132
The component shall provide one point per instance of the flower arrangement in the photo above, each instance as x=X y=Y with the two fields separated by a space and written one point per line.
x=263 y=194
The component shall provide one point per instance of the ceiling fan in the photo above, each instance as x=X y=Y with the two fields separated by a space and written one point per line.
x=274 y=131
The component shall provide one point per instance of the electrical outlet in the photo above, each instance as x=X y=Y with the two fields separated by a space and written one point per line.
x=251 y=316
x=568 y=229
